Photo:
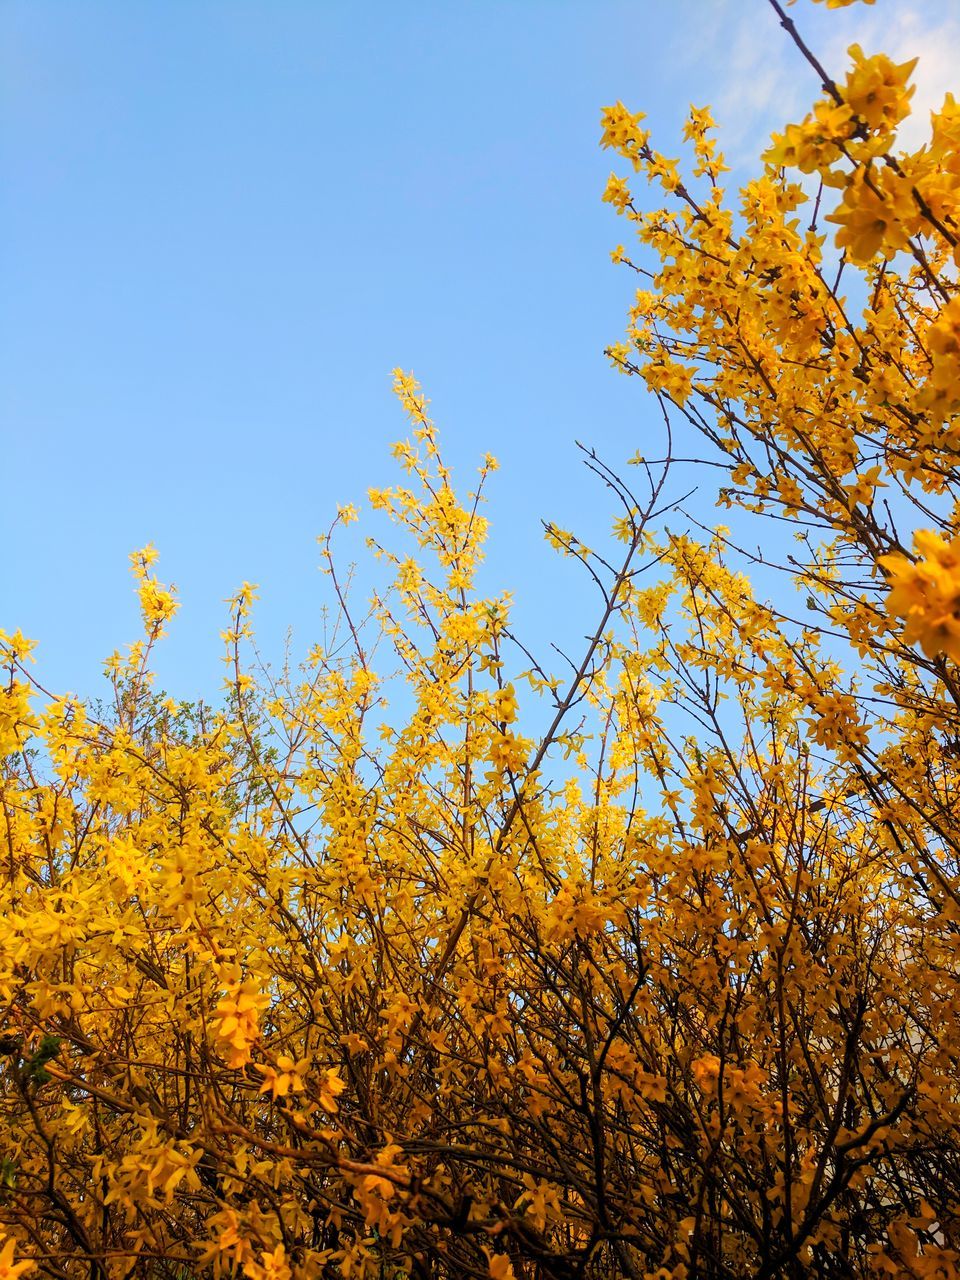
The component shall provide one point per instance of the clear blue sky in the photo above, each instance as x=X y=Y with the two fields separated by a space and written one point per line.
x=224 y=223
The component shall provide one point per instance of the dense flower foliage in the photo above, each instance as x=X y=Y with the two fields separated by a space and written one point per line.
x=424 y=961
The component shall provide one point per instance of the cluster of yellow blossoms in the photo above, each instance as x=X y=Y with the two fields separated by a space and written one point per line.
x=925 y=592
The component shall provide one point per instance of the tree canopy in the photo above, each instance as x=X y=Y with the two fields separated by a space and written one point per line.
x=430 y=960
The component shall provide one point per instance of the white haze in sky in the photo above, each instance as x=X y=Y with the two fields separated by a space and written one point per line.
x=761 y=81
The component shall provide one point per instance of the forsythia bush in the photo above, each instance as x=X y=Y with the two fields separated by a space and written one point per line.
x=318 y=986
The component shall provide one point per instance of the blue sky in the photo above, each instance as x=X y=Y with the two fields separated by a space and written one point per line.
x=224 y=223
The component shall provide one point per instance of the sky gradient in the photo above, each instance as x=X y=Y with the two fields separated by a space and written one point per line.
x=223 y=224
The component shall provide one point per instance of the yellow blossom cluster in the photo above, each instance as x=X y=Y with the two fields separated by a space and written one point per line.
x=237 y=1028
x=925 y=592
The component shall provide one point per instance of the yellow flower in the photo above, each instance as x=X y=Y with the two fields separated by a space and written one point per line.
x=410 y=394
x=9 y=1270
x=272 y=1266
x=862 y=490
x=926 y=593
x=15 y=717
x=16 y=647
x=237 y=1020
x=814 y=144
x=876 y=89
x=873 y=219
x=330 y=1088
x=616 y=193
x=286 y=1077
x=943 y=343
x=500 y=1267
x=621 y=127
